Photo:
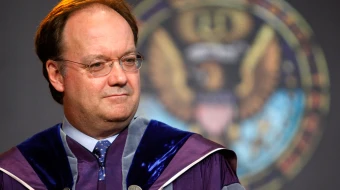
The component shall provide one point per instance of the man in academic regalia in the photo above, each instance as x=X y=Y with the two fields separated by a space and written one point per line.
x=88 y=51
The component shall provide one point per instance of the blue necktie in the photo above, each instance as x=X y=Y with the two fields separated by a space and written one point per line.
x=100 y=152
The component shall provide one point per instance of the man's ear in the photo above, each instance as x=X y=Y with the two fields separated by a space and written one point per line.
x=55 y=76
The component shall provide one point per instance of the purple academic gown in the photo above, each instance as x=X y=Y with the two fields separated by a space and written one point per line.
x=171 y=159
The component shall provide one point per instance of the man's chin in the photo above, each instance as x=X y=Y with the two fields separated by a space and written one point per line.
x=118 y=118
x=119 y=114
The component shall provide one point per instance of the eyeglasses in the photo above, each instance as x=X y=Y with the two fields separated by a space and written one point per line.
x=129 y=63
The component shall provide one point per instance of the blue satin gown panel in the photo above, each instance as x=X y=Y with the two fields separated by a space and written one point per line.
x=46 y=154
x=158 y=146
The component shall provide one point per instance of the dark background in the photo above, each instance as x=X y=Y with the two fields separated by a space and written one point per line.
x=27 y=106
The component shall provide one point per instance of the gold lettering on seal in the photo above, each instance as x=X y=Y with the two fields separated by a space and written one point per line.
x=213 y=25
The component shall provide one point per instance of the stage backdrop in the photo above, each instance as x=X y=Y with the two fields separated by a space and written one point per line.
x=256 y=76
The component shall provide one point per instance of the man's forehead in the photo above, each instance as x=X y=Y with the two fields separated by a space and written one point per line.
x=91 y=15
x=93 y=30
x=91 y=9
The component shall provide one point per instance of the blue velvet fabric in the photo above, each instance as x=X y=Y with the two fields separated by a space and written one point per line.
x=46 y=154
x=158 y=146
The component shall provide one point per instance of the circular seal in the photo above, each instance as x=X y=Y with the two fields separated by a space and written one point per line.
x=134 y=187
x=246 y=74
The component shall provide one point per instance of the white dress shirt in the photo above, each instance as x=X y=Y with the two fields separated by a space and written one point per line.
x=86 y=141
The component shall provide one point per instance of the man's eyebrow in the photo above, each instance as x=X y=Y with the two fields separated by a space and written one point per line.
x=130 y=51
x=93 y=57
x=103 y=57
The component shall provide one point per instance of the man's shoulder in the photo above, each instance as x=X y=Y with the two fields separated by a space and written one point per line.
x=40 y=136
x=13 y=169
x=201 y=147
x=32 y=158
x=194 y=141
x=14 y=157
x=195 y=151
x=9 y=155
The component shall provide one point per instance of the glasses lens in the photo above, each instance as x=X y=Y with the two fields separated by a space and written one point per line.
x=131 y=62
x=100 y=69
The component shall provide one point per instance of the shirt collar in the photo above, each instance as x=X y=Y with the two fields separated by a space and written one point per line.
x=86 y=141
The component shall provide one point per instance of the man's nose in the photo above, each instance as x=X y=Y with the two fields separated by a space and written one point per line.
x=117 y=76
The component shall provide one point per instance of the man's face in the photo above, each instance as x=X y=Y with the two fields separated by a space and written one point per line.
x=95 y=34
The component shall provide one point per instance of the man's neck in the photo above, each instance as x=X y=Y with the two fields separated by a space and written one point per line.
x=85 y=140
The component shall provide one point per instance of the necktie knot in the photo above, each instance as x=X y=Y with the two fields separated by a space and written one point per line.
x=100 y=152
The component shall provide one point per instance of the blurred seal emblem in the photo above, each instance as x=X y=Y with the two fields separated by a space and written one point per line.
x=134 y=187
x=246 y=74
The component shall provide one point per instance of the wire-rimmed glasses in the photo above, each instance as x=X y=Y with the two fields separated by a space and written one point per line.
x=130 y=62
